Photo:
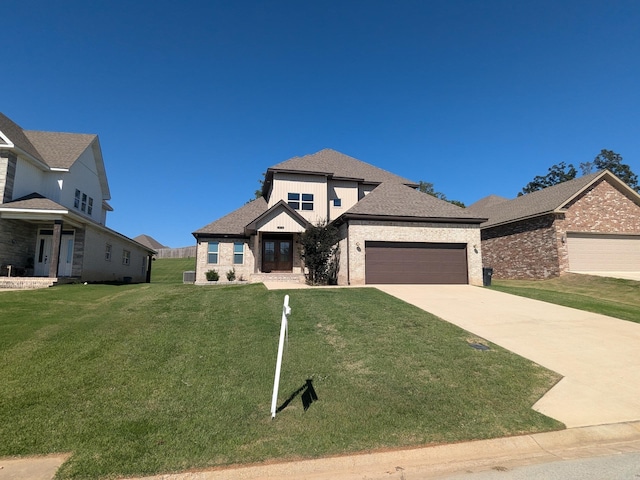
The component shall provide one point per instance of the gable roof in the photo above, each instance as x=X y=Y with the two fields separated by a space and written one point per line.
x=234 y=223
x=252 y=226
x=59 y=150
x=548 y=200
x=397 y=201
x=334 y=164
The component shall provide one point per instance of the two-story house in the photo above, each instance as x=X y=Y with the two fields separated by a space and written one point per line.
x=53 y=207
x=390 y=232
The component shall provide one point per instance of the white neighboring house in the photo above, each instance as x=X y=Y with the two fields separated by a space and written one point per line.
x=53 y=208
x=390 y=232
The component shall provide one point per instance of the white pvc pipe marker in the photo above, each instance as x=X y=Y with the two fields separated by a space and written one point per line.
x=286 y=311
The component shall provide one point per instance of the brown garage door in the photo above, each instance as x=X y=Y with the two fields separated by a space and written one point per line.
x=400 y=262
x=593 y=252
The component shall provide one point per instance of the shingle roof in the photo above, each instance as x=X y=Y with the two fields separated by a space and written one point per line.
x=338 y=164
x=33 y=201
x=148 y=241
x=537 y=203
x=486 y=202
x=16 y=134
x=234 y=222
x=56 y=149
x=60 y=150
x=397 y=200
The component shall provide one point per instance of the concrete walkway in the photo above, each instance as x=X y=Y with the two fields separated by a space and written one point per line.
x=598 y=356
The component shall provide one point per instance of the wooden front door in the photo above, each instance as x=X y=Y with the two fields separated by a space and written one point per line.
x=277 y=255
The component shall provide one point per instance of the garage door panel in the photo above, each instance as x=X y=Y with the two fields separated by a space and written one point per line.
x=429 y=263
x=603 y=253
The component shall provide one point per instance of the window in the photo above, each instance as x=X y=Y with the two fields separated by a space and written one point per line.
x=90 y=207
x=84 y=202
x=238 y=253
x=293 y=199
x=76 y=201
x=307 y=201
x=337 y=202
x=107 y=252
x=212 y=252
x=126 y=257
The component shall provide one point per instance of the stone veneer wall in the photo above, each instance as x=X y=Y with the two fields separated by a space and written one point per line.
x=522 y=250
x=17 y=242
x=361 y=230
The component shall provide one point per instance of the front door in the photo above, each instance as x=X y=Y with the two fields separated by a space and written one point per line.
x=43 y=253
x=277 y=255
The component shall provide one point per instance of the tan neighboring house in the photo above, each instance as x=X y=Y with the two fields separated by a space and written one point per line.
x=390 y=232
x=53 y=208
x=589 y=224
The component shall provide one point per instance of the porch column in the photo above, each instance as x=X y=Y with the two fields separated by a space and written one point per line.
x=54 y=261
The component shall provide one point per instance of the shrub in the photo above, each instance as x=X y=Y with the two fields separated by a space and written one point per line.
x=231 y=275
x=320 y=253
x=212 y=275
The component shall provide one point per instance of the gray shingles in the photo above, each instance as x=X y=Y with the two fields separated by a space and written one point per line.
x=234 y=222
x=339 y=165
x=397 y=200
x=56 y=149
x=60 y=150
x=33 y=201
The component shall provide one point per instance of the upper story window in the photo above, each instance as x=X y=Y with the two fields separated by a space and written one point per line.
x=294 y=201
x=337 y=202
x=212 y=252
x=83 y=202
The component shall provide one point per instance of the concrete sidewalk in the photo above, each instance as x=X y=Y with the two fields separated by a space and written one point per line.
x=598 y=356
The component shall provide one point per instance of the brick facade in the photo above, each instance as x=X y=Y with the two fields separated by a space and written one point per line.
x=18 y=240
x=537 y=249
x=8 y=163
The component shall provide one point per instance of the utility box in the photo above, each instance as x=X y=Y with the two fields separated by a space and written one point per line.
x=189 y=277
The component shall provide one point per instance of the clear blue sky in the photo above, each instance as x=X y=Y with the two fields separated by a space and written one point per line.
x=193 y=100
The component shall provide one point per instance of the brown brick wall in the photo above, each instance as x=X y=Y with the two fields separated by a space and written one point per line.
x=522 y=250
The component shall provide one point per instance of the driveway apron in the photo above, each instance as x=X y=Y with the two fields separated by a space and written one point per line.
x=598 y=356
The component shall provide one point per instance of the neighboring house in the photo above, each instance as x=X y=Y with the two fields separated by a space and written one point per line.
x=390 y=232
x=53 y=209
x=591 y=223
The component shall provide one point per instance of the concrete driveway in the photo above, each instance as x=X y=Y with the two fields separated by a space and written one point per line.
x=598 y=356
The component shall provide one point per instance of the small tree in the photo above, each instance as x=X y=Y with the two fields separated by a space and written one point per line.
x=319 y=251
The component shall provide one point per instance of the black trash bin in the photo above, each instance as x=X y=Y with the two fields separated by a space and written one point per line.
x=487 y=273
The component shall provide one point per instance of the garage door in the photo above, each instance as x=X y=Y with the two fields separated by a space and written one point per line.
x=399 y=262
x=589 y=252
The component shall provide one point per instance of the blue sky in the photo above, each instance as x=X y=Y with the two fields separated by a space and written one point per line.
x=193 y=100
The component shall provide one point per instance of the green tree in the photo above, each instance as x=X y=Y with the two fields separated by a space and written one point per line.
x=612 y=161
x=428 y=188
x=557 y=174
x=320 y=253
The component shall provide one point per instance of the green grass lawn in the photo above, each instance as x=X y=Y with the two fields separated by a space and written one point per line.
x=169 y=270
x=609 y=296
x=142 y=379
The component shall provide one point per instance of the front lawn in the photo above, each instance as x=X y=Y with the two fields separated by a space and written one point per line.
x=141 y=379
x=608 y=296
